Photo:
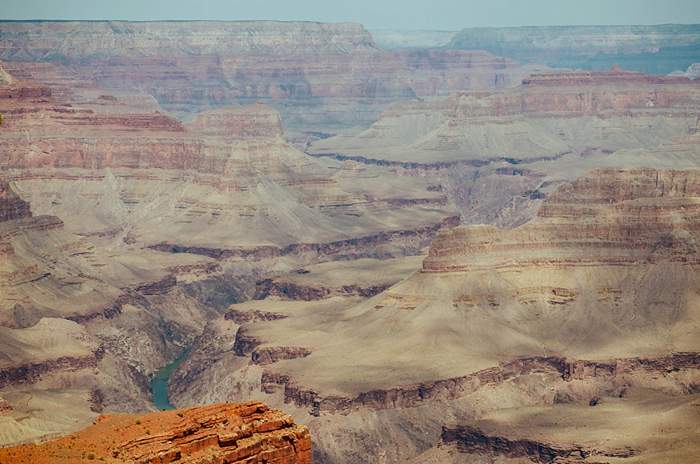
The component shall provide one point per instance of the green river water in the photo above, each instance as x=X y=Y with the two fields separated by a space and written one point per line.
x=159 y=383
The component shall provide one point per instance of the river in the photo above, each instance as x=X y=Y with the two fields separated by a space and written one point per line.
x=160 y=381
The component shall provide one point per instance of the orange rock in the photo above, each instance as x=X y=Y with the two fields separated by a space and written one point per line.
x=222 y=434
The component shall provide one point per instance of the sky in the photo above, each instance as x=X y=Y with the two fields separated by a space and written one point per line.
x=374 y=14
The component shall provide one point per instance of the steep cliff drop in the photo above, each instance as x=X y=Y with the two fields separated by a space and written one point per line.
x=222 y=433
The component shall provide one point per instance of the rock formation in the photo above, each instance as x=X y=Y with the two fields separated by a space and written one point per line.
x=569 y=308
x=325 y=68
x=658 y=49
x=231 y=433
x=548 y=116
x=161 y=227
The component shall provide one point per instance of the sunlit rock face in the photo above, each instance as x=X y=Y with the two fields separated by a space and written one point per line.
x=231 y=433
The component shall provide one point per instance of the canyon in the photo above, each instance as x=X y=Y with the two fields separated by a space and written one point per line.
x=421 y=246
x=593 y=301
x=321 y=77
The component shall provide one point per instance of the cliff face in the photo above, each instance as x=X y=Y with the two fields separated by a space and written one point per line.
x=654 y=219
x=192 y=65
x=550 y=115
x=231 y=433
x=657 y=49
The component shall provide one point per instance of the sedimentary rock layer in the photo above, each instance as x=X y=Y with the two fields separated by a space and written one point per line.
x=319 y=75
x=547 y=117
x=658 y=49
x=231 y=433
x=655 y=219
x=678 y=373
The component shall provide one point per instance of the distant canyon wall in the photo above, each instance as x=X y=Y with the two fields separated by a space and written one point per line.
x=659 y=49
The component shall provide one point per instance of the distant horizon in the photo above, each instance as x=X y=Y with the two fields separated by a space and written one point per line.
x=42 y=20
x=439 y=15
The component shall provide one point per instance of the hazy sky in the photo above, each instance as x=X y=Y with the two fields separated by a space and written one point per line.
x=396 y=14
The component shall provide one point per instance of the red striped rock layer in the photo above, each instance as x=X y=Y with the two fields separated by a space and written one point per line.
x=41 y=131
x=222 y=433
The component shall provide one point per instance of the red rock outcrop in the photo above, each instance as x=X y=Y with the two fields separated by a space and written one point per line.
x=222 y=433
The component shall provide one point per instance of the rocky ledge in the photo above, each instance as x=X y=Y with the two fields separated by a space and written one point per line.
x=676 y=373
x=223 y=433
x=474 y=441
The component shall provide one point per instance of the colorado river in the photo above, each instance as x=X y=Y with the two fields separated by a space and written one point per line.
x=159 y=383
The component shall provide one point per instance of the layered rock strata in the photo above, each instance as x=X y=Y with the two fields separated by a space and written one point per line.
x=592 y=301
x=319 y=75
x=654 y=220
x=658 y=49
x=547 y=117
x=231 y=433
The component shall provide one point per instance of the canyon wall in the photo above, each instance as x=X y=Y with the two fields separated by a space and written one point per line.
x=319 y=75
x=550 y=115
x=658 y=49
x=655 y=220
